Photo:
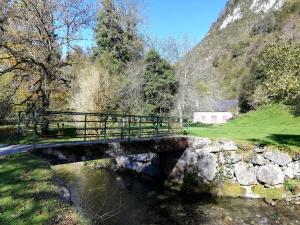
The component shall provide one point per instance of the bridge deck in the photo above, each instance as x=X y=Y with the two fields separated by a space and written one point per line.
x=12 y=149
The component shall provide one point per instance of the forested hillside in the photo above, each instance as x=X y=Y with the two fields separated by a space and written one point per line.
x=222 y=63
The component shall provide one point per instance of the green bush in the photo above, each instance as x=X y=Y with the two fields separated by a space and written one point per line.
x=291 y=185
x=199 y=124
x=65 y=132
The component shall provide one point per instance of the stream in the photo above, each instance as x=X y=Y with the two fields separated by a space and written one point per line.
x=105 y=197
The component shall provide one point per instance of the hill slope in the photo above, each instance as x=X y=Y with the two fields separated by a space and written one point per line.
x=273 y=124
x=216 y=65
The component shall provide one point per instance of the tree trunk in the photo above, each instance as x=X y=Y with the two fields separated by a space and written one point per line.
x=46 y=92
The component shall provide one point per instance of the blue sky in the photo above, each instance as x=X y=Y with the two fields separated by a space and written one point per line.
x=179 y=17
x=175 y=18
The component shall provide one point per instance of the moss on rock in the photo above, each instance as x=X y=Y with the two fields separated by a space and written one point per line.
x=231 y=190
x=274 y=193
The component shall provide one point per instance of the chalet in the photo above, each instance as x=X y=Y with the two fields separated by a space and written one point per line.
x=219 y=112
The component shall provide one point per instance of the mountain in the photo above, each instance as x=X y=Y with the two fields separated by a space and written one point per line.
x=216 y=66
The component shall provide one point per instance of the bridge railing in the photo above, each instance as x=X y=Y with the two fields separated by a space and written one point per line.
x=77 y=126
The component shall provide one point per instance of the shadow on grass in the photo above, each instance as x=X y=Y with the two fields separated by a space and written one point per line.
x=201 y=125
x=27 y=195
x=291 y=140
x=286 y=139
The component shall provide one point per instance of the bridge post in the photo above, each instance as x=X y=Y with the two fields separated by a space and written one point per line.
x=85 y=119
x=157 y=121
x=19 y=127
x=122 y=127
x=105 y=126
x=34 y=118
x=129 y=126
x=140 y=127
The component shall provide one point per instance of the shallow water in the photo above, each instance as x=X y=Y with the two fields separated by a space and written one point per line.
x=105 y=197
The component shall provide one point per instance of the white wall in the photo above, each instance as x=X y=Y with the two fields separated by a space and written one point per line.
x=212 y=117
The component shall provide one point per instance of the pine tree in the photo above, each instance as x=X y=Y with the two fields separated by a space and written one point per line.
x=160 y=84
x=116 y=35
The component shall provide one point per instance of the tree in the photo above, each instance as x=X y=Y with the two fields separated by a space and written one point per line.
x=31 y=42
x=131 y=93
x=160 y=84
x=275 y=76
x=96 y=91
x=117 y=37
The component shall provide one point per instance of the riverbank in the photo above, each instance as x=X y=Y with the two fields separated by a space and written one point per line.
x=28 y=194
x=106 y=197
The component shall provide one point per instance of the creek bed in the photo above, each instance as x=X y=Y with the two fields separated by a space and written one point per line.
x=105 y=197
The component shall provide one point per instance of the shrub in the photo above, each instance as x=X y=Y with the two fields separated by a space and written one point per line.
x=291 y=185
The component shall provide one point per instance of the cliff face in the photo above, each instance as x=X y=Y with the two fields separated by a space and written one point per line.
x=217 y=64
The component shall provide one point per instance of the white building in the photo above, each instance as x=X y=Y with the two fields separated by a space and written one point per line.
x=221 y=112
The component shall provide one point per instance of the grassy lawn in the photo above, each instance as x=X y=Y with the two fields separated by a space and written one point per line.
x=272 y=125
x=28 y=195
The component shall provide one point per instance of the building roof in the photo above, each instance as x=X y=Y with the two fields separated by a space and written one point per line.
x=221 y=106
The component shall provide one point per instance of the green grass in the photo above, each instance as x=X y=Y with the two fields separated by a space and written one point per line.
x=28 y=195
x=271 y=125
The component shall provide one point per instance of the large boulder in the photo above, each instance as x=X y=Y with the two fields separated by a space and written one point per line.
x=257 y=159
x=203 y=164
x=198 y=143
x=145 y=164
x=122 y=162
x=260 y=149
x=212 y=148
x=292 y=170
x=279 y=158
x=229 y=157
x=245 y=173
x=228 y=145
x=270 y=174
x=207 y=166
x=145 y=158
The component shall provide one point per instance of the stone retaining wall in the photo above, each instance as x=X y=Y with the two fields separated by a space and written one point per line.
x=228 y=171
x=221 y=168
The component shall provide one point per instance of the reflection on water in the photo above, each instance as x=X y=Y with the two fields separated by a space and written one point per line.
x=108 y=198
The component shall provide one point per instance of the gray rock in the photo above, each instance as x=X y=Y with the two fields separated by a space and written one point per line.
x=257 y=159
x=296 y=157
x=228 y=145
x=288 y=172
x=207 y=166
x=212 y=148
x=114 y=150
x=199 y=143
x=270 y=174
x=191 y=157
x=62 y=156
x=146 y=164
x=260 y=149
x=229 y=157
x=245 y=173
x=64 y=194
x=193 y=161
x=279 y=158
x=292 y=170
x=122 y=162
x=145 y=157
